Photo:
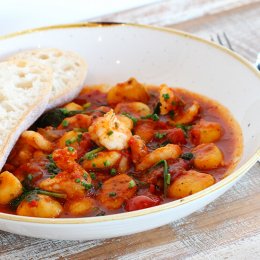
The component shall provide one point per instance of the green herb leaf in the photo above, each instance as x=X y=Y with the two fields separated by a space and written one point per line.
x=86 y=105
x=154 y=117
x=70 y=141
x=65 y=123
x=160 y=135
x=107 y=163
x=92 y=175
x=166 y=96
x=51 y=167
x=165 y=176
x=172 y=114
x=134 y=119
x=113 y=171
x=109 y=133
x=71 y=149
x=112 y=194
x=87 y=186
x=185 y=128
x=187 y=156
x=131 y=184
x=92 y=154
x=77 y=180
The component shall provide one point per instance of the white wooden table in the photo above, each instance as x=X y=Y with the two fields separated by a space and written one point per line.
x=229 y=228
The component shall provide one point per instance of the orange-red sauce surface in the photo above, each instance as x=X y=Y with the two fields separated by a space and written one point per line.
x=98 y=186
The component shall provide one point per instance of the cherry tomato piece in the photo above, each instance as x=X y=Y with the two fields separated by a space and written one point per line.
x=141 y=202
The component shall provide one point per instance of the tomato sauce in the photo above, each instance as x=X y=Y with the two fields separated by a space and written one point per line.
x=149 y=185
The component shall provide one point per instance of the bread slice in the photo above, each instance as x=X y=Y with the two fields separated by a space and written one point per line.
x=69 y=72
x=25 y=88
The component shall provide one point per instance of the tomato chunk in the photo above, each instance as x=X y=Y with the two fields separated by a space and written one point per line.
x=141 y=202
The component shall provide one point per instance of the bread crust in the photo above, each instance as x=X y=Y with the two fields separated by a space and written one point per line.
x=31 y=82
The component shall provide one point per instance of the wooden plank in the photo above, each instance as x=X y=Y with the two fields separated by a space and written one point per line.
x=171 y=12
x=205 y=18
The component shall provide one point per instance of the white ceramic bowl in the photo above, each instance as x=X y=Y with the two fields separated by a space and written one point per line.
x=152 y=55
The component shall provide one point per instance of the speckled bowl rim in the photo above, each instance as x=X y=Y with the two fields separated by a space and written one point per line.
x=139 y=213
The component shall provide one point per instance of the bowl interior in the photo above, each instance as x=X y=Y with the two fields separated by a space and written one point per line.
x=115 y=53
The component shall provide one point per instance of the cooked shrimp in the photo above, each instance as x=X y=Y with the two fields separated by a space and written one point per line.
x=170 y=151
x=189 y=115
x=10 y=187
x=109 y=132
x=138 y=148
x=169 y=101
x=130 y=90
x=43 y=207
x=37 y=141
x=73 y=180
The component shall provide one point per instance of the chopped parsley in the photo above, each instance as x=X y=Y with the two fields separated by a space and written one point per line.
x=134 y=119
x=51 y=167
x=86 y=105
x=77 y=180
x=184 y=128
x=79 y=138
x=92 y=154
x=65 y=123
x=110 y=132
x=113 y=171
x=187 y=156
x=29 y=177
x=71 y=149
x=92 y=175
x=112 y=194
x=160 y=135
x=131 y=184
x=64 y=111
x=172 y=114
x=166 y=96
x=85 y=176
x=87 y=186
x=154 y=117
x=70 y=141
x=107 y=163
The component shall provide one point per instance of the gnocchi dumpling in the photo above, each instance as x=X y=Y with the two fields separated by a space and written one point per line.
x=43 y=207
x=10 y=187
x=207 y=156
x=189 y=183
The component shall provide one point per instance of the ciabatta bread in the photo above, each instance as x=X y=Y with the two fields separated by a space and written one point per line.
x=69 y=72
x=25 y=88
